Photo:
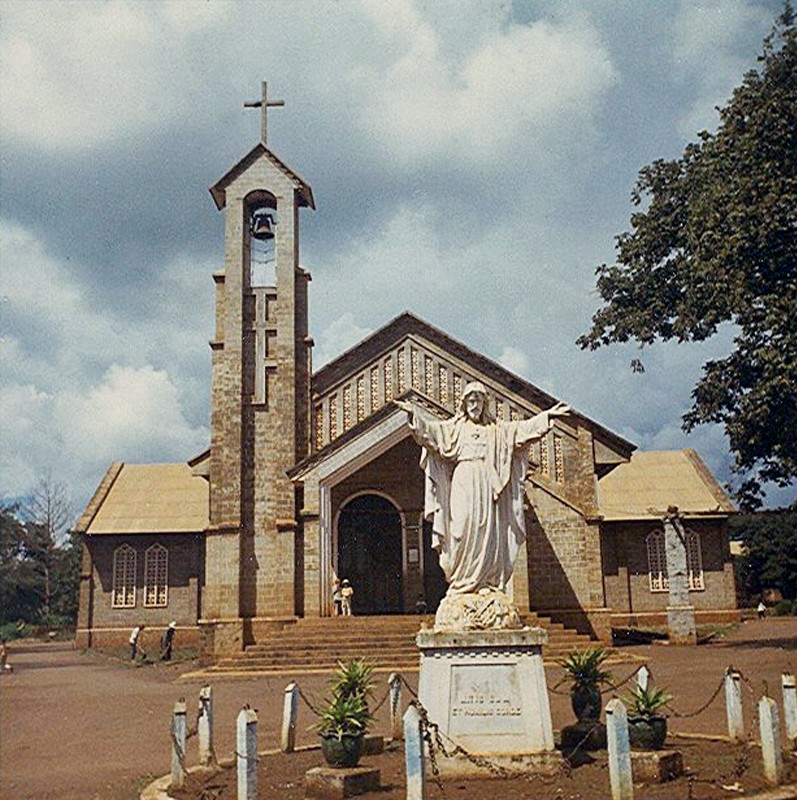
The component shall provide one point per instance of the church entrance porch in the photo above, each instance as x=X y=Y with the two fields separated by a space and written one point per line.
x=369 y=554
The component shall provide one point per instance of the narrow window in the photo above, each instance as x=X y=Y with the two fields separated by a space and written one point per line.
x=156 y=576
x=694 y=561
x=657 y=562
x=123 y=594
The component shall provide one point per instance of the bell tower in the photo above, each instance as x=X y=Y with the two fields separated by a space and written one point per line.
x=261 y=363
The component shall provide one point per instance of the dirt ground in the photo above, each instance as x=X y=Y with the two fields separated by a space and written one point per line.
x=76 y=725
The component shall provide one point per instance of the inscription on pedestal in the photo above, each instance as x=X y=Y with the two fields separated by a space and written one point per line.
x=487 y=693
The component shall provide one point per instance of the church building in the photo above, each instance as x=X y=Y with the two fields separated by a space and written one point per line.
x=311 y=476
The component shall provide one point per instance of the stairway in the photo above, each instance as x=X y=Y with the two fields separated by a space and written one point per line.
x=388 y=642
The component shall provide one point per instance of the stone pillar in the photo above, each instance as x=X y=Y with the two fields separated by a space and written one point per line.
x=680 y=611
x=769 y=726
x=414 y=755
x=179 y=733
x=733 y=705
x=790 y=707
x=314 y=600
x=290 y=707
x=620 y=774
x=643 y=678
x=246 y=753
x=205 y=727
x=396 y=724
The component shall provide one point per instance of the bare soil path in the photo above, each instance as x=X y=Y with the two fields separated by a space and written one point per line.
x=79 y=726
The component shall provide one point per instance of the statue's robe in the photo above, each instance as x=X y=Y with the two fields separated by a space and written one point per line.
x=475 y=495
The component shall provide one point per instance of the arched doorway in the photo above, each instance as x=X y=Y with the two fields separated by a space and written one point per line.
x=369 y=554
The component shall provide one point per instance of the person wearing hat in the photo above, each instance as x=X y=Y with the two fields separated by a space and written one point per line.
x=166 y=641
x=475 y=469
x=134 y=646
x=346 y=593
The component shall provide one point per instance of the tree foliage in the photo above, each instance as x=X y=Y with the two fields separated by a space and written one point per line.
x=715 y=241
x=770 y=559
x=39 y=559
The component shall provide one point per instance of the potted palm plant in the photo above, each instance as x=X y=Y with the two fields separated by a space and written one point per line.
x=586 y=674
x=647 y=727
x=345 y=717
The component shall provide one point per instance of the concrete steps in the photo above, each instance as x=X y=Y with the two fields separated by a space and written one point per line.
x=387 y=642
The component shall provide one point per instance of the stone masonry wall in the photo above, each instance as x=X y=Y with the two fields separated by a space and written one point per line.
x=185 y=578
x=626 y=568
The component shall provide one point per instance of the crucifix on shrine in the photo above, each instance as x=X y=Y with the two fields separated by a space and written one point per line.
x=264 y=104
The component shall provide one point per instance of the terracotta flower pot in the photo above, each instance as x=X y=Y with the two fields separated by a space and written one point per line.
x=342 y=752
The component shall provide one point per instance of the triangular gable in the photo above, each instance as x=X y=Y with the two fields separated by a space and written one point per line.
x=364 y=428
x=409 y=354
x=218 y=190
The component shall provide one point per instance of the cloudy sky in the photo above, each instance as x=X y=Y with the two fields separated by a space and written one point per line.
x=471 y=161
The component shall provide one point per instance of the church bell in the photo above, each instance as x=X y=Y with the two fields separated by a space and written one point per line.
x=262 y=226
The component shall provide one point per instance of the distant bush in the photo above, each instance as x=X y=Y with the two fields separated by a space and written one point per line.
x=785 y=608
x=14 y=630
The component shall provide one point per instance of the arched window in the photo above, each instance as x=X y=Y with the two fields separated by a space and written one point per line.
x=657 y=562
x=123 y=594
x=156 y=576
x=694 y=560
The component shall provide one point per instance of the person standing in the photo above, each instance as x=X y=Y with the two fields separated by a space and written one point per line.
x=166 y=642
x=134 y=634
x=337 y=599
x=346 y=593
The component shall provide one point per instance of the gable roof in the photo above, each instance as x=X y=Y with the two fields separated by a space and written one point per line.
x=147 y=498
x=651 y=482
x=218 y=190
x=407 y=324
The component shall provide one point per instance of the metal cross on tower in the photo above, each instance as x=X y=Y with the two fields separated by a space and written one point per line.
x=264 y=104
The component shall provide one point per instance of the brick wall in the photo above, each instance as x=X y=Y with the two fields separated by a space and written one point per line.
x=185 y=577
x=625 y=565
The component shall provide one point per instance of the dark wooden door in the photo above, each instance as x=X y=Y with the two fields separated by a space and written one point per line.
x=369 y=554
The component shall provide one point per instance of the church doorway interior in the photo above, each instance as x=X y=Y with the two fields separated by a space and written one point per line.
x=369 y=554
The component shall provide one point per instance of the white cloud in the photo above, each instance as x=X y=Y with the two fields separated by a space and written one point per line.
x=79 y=388
x=84 y=73
x=341 y=334
x=526 y=86
x=709 y=33
x=514 y=360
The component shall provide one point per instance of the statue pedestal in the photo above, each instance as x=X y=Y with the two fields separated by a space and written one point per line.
x=486 y=692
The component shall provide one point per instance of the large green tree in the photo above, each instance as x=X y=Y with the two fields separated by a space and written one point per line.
x=715 y=241
x=770 y=558
x=39 y=558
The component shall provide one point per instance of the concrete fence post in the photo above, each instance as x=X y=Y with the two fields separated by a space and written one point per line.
x=733 y=705
x=790 y=707
x=178 y=744
x=396 y=721
x=771 y=755
x=414 y=755
x=643 y=678
x=205 y=726
x=619 y=747
x=246 y=752
x=290 y=708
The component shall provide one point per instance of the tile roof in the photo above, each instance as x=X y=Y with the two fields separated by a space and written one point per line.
x=151 y=498
x=651 y=482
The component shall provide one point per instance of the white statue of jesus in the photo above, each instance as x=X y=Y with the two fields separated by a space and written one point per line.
x=475 y=469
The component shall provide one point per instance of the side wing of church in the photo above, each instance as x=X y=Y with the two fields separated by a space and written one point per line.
x=311 y=477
